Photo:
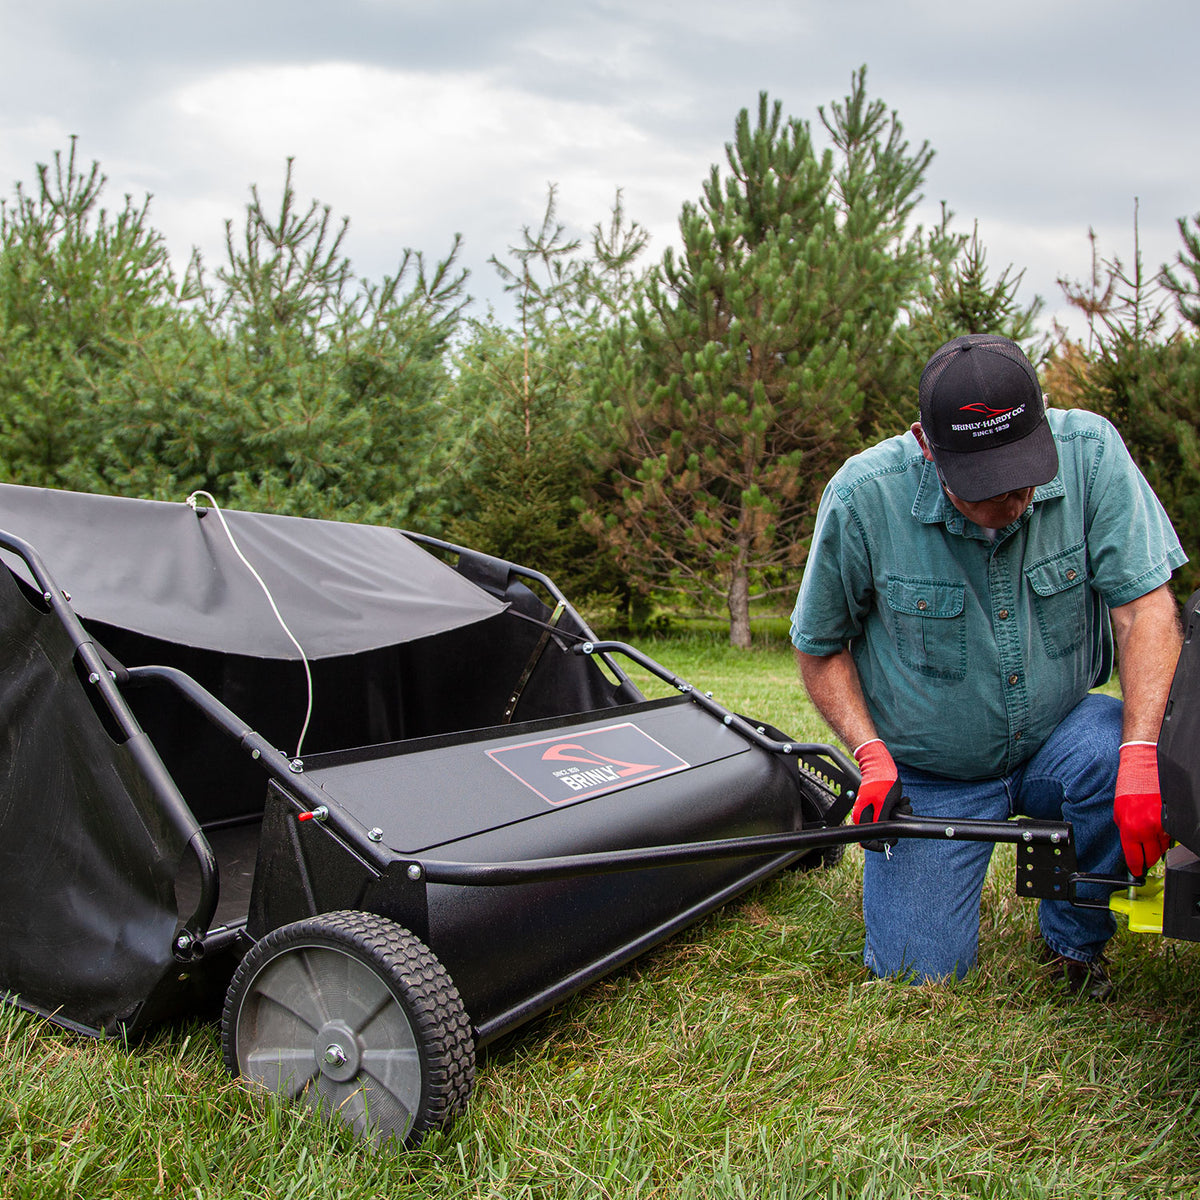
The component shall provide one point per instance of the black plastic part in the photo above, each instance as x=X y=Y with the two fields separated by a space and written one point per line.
x=1181 y=897
x=515 y=950
x=1179 y=739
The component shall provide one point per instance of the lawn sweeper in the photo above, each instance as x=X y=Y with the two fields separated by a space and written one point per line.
x=379 y=799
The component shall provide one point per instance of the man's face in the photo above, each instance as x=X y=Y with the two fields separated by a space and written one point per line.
x=996 y=512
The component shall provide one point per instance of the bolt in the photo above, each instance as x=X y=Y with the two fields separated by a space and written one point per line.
x=296 y=766
x=335 y=1056
x=1054 y=837
x=588 y=648
x=949 y=830
x=414 y=871
x=183 y=943
x=93 y=678
x=1027 y=836
x=787 y=749
x=376 y=834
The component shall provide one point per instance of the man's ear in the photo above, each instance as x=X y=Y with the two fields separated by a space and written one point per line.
x=919 y=434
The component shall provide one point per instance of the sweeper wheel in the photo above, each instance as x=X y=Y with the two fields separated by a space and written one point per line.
x=353 y=1015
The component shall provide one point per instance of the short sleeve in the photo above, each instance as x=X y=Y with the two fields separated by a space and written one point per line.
x=1132 y=546
x=835 y=591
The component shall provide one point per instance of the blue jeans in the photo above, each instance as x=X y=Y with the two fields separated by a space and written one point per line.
x=921 y=903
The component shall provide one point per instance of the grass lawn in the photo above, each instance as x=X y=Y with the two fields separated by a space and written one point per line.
x=752 y=1056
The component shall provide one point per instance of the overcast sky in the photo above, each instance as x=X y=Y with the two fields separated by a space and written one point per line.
x=422 y=120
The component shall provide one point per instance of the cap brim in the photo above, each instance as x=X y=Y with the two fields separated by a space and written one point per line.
x=982 y=474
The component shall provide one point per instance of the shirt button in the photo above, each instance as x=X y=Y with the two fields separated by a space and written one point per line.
x=1071 y=573
x=921 y=606
x=1013 y=679
x=1017 y=736
x=1004 y=614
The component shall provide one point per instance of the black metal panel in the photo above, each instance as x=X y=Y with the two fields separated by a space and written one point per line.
x=1179 y=739
x=422 y=795
x=503 y=944
x=303 y=869
x=512 y=949
x=1044 y=870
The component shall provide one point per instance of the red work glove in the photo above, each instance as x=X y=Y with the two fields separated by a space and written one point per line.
x=879 y=792
x=1137 y=808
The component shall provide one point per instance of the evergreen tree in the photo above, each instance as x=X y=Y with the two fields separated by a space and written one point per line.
x=959 y=297
x=283 y=383
x=519 y=397
x=1144 y=375
x=1182 y=278
x=320 y=390
x=89 y=308
x=739 y=384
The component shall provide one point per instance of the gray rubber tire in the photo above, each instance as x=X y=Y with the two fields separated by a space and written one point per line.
x=353 y=1015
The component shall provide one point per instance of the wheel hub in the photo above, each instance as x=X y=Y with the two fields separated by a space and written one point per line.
x=337 y=1052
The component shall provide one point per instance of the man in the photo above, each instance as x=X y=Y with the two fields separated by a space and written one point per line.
x=960 y=600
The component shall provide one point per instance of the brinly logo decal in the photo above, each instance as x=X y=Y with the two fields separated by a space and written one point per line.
x=591 y=763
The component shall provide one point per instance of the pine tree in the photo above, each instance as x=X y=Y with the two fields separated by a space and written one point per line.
x=959 y=297
x=89 y=308
x=1144 y=375
x=322 y=388
x=519 y=395
x=739 y=384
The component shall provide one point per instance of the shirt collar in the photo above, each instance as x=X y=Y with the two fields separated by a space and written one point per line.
x=933 y=507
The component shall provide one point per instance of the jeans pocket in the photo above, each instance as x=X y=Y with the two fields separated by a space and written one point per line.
x=930 y=621
x=1060 y=599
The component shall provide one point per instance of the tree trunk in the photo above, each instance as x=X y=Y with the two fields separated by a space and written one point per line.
x=739 y=608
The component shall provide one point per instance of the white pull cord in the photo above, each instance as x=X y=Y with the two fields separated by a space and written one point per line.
x=207 y=496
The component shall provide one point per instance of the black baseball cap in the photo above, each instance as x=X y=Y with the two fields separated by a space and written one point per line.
x=984 y=417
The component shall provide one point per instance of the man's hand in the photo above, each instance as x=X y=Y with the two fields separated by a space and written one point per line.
x=880 y=790
x=1137 y=808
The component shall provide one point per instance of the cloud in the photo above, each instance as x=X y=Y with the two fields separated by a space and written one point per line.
x=412 y=157
x=419 y=120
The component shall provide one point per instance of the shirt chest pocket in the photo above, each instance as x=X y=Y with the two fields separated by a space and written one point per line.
x=1060 y=599
x=930 y=625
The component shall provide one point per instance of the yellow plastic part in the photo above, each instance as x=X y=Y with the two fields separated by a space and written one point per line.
x=1142 y=905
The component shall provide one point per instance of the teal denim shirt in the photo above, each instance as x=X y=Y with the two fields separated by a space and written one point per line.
x=971 y=650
